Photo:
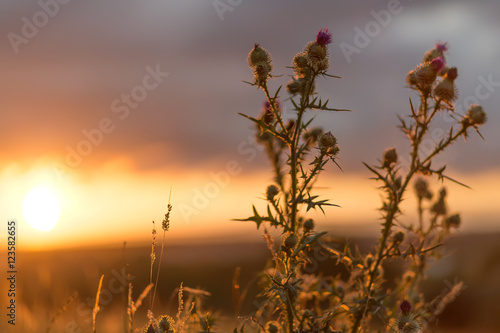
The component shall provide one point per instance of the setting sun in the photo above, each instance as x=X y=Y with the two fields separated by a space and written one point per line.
x=41 y=209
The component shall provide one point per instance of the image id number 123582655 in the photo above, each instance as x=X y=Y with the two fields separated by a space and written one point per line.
x=11 y=272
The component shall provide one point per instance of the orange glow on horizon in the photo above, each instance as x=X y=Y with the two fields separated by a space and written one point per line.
x=117 y=204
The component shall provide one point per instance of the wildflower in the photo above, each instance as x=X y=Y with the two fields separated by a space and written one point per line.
x=328 y=144
x=446 y=90
x=405 y=307
x=439 y=207
x=295 y=86
x=407 y=322
x=290 y=241
x=390 y=157
x=271 y=192
x=475 y=116
x=424 y=75
x=309 y=224
x=422 y=189
x=300 y=61
x=398 y=237
x=452 y=221
x=260 y=61
x=324 y=37
x=437 y=51
x=258 y=55
x=441 y=47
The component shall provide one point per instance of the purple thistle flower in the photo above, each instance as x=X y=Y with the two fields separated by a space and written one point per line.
x=405 y=307
x=324 y=37
x=437 y=64
x=441 y=47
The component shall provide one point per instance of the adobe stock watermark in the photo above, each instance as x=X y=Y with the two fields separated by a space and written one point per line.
x=373 y=28
x=121 y=107
x=31 y=25
x=224 y=6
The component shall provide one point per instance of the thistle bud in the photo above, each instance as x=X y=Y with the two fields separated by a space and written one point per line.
x=475 y=115
x=422 y=189
x=405 y=307
x=316 y=51
x=452 y=221
x=437 y=51
x=446 y=90
x=398 y=237
x=309 y=224
x=439 y=207
x=271 y=192
x=424 y=75
x=390 y=157
x=290 y=241
x=407 y=322
x=295 y=86
x=307 y=313
x=328 y=144
x=258 y=55
x=260 y=61
x=300 y=61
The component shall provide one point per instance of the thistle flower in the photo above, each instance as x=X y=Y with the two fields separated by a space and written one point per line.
x=407 y=322
x=424 y=75
x=398 y=237
x=309 y=224
x=271 y=192
x=439 y=207
x=300 y=61
x=290 y=241
x=324 y=37
x=390 y=157
x=405 y=307
x=260 y=61
x=452 y=221
x=295 y=86
x=422 y=189
x=328 y=144
x=258 y=55
x=475 y=116
x=438 y=51
x=446 y=90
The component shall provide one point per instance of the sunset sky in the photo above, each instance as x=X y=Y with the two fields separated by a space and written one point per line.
x=69 y=122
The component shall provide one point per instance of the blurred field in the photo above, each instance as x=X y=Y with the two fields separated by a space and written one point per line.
x=47 y=279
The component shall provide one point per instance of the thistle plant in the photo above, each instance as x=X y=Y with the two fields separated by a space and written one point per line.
x=291 y=145
x=294 y=301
